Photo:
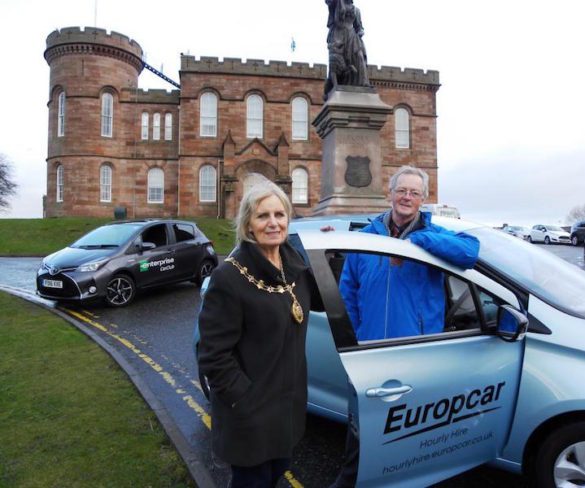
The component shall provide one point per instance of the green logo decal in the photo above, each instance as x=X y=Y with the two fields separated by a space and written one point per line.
x=144 y=265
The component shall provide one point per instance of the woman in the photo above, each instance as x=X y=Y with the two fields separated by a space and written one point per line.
x=253 y=325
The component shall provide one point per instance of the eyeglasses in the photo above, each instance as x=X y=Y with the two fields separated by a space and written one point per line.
x=402 y=192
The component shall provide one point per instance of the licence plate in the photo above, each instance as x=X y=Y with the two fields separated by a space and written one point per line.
x=52 y=284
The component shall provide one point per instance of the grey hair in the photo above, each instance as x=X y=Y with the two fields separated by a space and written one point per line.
x=410 y=170
x=249 y=204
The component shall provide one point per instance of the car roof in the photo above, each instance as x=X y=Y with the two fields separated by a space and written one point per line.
x=357 y=221
x=145 y=222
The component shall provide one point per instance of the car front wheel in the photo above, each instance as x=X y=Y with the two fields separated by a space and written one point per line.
x=547 y=240
x=574 y=241
x=120 y=291
x=560 y=460
x=529 y=239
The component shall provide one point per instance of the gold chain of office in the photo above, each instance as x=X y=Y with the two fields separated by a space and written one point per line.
x=296 y=310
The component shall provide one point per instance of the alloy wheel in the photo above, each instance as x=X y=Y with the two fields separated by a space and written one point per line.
x=569 y=468
x=120 y=291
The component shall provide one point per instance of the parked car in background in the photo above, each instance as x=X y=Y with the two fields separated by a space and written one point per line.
x=549 y=234
x=113 y=261
x=517 y=231
x=578 y=233
x=441 y=210
x=431 y=406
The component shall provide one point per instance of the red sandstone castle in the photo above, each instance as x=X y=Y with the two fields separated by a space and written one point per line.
x=194 y=151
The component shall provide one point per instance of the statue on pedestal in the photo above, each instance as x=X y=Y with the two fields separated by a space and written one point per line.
x=347 y=52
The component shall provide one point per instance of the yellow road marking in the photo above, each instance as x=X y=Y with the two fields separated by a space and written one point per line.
x=198 y=409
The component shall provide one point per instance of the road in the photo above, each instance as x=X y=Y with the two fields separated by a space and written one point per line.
x=155 y=337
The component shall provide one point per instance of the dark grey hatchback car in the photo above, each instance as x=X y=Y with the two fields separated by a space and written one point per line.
x=578 y=233
x=113 y=261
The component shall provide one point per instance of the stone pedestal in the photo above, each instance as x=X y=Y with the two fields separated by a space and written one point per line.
x=351 y=171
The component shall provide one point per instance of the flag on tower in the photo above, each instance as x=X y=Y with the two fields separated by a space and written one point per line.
x=293 y=44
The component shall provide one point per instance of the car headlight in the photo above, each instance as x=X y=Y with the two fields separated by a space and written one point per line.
x=84 y=268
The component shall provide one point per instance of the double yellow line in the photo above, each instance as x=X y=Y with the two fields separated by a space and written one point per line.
x=166 y=376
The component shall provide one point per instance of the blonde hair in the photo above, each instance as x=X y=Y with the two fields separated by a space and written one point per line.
x=249 y=204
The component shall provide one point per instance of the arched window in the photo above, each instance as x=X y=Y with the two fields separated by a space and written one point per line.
x=156 y=127
x=208 y=115
x=156 y=185
x=144 y=127
x=300 y=186
x=300 y=119
x=59 y=184
x=207 y=184
x=61 y=115
x=168 y=127
x=105 y=183
x=402 y=128
x=107 y=114
x=255 y=116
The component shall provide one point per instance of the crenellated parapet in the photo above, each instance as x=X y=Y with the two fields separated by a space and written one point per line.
x=404 y=78
x=236 y=66
x=91 y=40
x=384 y=76
x=158 y=96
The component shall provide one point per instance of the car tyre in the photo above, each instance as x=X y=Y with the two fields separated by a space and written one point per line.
x=529 y=239
x=560 y=460
x=120 y=290
x=575 y=241
x=547 y=240
x=207 y=266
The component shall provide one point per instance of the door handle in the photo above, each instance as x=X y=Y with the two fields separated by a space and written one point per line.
x=382 y=392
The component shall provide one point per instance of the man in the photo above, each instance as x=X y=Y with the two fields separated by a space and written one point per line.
x=395 y=298
x=413 y=293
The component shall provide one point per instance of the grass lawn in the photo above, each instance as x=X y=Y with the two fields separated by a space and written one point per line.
x=40 y=237
x=69 y=417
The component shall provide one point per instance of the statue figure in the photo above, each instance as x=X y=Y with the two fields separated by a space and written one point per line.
x=347 y=52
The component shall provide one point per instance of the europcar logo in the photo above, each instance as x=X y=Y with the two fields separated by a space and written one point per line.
x=434 y=415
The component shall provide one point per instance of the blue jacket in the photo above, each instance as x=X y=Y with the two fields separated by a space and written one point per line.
x=387 y=299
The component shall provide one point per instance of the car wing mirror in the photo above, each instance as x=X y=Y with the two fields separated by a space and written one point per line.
x=512 y=324
x=147 y=246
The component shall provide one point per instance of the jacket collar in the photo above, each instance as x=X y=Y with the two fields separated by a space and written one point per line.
x=380 y=222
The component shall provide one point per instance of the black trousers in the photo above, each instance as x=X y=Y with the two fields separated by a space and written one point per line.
x=264 y=475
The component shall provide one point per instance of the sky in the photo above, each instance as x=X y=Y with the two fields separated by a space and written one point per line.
x=511 y=107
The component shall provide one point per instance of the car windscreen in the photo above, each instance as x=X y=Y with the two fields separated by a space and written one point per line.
x=540 y=272
x=107 y=236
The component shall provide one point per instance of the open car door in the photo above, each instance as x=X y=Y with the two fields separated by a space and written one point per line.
x=432 y=404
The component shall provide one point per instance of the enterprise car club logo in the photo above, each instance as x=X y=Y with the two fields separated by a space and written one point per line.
x=444 y=412
x=163 y=264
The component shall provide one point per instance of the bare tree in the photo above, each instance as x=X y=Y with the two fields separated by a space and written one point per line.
x=576 y=213
x=7 y=185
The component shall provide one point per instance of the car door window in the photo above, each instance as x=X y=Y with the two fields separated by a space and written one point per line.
x=386 y=297
x=157 y=234
x=183 y=232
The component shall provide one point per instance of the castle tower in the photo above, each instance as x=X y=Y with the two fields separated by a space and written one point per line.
x=88 y=122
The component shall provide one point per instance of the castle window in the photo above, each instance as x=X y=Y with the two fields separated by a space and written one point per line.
x=156 y=127
x=300 y=119
x=61 y=116
x=105 y=183
x=59 y=184
x=207 y=184
x=255 y=116
x=208 y=115
x=144 y=127
x=402 y=128
x=156 y=185
x=168 y=127
x=107 y=114
x=300 y=186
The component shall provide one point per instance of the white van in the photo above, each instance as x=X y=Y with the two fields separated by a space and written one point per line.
x=441 y=209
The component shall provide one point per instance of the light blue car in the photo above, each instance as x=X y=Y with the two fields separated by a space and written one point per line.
x=483 y=390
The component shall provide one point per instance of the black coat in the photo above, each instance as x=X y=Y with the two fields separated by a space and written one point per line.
x=253 y=354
